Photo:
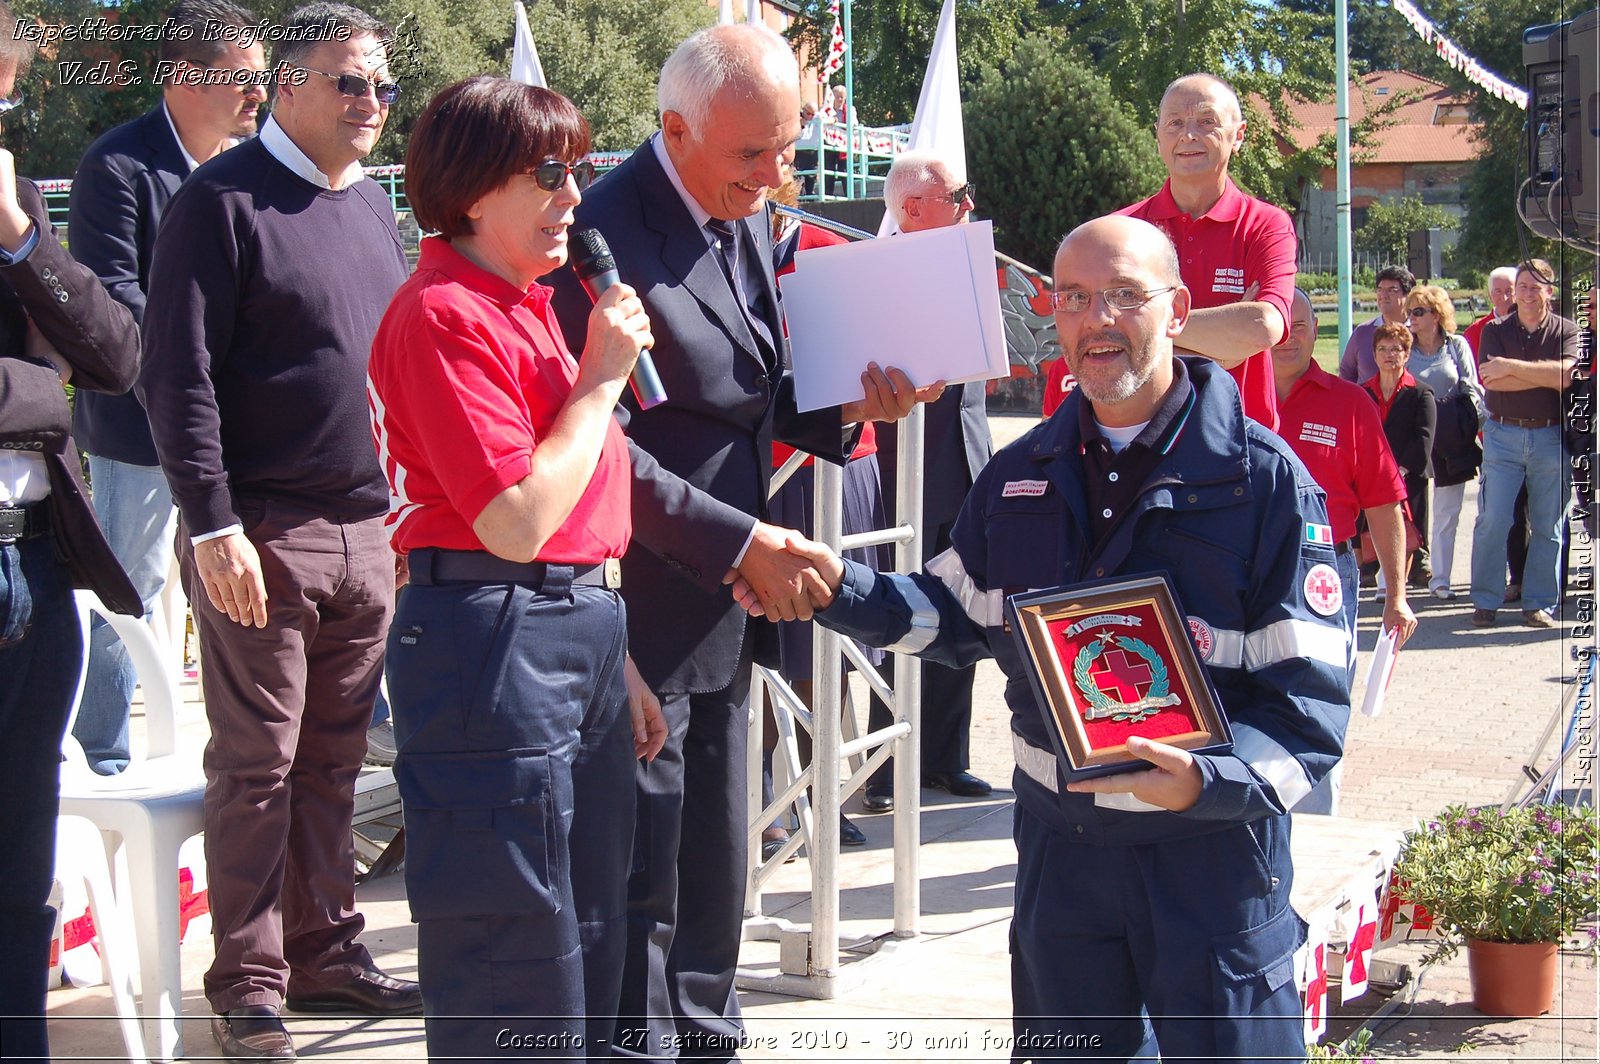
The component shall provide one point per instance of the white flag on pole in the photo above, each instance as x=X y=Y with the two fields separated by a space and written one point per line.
x=936 y=125
x=724 y=12
x=752 y=12
x=524 y=56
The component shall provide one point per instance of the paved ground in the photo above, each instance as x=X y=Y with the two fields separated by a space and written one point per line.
x=1464 y=711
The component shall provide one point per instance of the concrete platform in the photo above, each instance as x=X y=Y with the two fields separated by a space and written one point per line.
x=1464 y=710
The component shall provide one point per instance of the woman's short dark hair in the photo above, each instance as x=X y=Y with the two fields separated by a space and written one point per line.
x=477 y=135
x=1390 y=331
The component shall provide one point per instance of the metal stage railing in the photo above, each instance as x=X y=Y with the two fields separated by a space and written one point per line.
x=809 y=957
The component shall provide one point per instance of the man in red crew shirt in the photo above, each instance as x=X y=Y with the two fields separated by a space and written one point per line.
x=1230 y=245
x=1334 y=428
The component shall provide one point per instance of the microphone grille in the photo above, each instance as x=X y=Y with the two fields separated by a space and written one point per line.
x=590 y=253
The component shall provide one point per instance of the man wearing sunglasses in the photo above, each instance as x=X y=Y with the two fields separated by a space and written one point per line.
x=273 y=267
x=119 y=193
x=925 y=190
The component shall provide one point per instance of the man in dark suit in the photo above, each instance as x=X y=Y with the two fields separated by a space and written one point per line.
x=686 y=219
x=57 y=324
x=926 y=191
x=122 y=185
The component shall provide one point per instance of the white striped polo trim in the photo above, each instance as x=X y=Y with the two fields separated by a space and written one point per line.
x=1041 y=765
x=924 y=621
x=986 y=608
x=1296 y=638
x=1274 y=764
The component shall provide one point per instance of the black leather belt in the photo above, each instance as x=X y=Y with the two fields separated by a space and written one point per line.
x=431 y=566
x=1345 y=546
x=23 y=522
x=1527 y=422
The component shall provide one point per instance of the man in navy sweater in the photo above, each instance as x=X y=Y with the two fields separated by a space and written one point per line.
x=121 y=188
x=274 y=264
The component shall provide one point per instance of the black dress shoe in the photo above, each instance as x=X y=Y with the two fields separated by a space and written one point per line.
x=876 y=801
x=849 y=834
x=253 y=1032
x=960 y=784
x=371 y=993
x=770 y=848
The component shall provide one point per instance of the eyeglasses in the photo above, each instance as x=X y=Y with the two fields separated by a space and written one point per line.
x=954 y=196
x=1076 y=300
x=552 y=174
x=356 y=85
x=1417 y=312
x=1390 y=349
x=7 y=106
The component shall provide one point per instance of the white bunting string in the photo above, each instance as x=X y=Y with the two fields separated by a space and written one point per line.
x=1451 y=53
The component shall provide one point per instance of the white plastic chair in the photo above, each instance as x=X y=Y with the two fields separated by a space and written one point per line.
x=146 y=813
x=81 y=855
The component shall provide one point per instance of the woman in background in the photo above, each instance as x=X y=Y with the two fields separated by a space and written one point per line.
x=1442 y=360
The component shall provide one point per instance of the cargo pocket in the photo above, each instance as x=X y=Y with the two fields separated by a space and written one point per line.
x=1254 y=976
x=481 y=834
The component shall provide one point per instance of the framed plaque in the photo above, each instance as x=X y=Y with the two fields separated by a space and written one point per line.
x=1112 y=660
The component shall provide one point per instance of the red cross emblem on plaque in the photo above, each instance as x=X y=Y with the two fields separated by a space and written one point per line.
x=1120 y=678
x=1324 y=594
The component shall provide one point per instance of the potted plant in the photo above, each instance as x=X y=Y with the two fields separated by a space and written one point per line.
x=1514 y=885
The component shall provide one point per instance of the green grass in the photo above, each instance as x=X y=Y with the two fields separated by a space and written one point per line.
x=1327 y=350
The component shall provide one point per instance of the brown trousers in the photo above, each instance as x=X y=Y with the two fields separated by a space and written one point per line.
x=289 y=706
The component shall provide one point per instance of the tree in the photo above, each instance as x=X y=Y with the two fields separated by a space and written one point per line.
x=1381 y=40
x=1040 y=167
x=892 y=42
x=606 y=55
x=1389 y=222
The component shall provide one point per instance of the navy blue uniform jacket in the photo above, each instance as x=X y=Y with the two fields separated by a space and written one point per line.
x=1225 y=514
x=702 y=459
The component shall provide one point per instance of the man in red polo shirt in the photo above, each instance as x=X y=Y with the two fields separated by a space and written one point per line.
x=1334 y=428
x=1336 y=431
x=1228 y=242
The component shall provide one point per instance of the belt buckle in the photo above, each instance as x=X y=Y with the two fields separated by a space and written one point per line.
x=612 y=568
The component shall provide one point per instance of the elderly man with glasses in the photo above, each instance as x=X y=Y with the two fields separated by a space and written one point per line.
x=273 y=267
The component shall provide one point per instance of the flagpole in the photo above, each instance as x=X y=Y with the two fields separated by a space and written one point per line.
x=1341 y=194
x=849 y=110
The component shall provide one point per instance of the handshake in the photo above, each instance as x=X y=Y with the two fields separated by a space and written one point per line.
x=784 y=576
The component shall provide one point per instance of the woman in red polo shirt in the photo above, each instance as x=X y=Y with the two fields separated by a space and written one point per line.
x=507 y=666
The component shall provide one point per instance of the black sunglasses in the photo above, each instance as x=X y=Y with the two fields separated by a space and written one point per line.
x=552 y=174
x=356 y=85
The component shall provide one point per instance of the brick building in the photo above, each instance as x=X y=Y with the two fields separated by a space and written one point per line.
x=1428 y=152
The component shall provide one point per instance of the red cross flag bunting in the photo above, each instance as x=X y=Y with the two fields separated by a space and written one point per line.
x=835 y=60
x=1314 y=981
x=1358 y=953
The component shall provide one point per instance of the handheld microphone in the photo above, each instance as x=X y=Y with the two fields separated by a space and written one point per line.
x=597 y=270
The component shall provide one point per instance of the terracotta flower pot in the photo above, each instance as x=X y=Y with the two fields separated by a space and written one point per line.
x=1512 y=978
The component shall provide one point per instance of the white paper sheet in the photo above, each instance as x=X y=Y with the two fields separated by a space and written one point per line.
x=927 y=303
x=1384 y=656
